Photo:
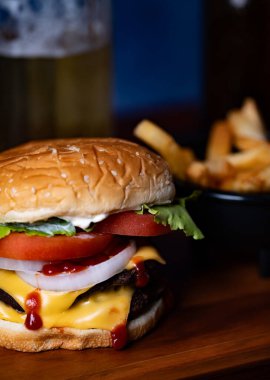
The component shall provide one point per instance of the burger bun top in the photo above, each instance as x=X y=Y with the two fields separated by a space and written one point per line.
x=80 y=178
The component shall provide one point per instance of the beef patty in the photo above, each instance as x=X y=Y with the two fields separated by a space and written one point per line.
x=142 y=298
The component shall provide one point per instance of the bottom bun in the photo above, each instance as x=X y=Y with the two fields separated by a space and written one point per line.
x=15 y=336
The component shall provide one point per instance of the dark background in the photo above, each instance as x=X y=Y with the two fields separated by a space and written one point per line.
x=157 y=53
x=190 y=57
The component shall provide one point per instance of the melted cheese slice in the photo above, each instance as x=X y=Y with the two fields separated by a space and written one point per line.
x=144 y=254
x=103 y=310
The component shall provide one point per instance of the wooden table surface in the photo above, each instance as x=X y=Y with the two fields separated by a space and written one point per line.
x=219 y=328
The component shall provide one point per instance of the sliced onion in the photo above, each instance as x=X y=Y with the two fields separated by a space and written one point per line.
x=21 y=265
x=88 y=277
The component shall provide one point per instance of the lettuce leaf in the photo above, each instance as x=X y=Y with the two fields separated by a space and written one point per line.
x=50 y=227
x=175 y=215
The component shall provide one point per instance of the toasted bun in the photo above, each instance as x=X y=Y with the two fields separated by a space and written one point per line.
x=79 y=178
x=15 y=336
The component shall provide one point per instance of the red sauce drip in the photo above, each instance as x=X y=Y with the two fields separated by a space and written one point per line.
x=33 y=320
x=142 y=277
x=78 y=265
x=119 y=336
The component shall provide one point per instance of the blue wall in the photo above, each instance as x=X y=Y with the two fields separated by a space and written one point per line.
x=157 y=53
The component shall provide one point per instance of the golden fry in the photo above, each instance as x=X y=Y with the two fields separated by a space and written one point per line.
x=197 y=172
x=247 y=130
x=264 y=178
x=247 y=181
x=177 y=157
x=219 y=169
x=210 y=173
x=219 y=141
x=254 y=158
x=251 y=112
x=245 y=171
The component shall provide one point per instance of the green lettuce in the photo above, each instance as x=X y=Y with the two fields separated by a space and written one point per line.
x=50 y=227
x=175 y=215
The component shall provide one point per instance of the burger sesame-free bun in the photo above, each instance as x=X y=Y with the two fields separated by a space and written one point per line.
x=15 y=336
x=79 y=178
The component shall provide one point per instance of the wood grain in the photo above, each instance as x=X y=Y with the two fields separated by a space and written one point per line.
x=219 y=328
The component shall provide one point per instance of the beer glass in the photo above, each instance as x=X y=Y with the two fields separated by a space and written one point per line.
x=54 y=69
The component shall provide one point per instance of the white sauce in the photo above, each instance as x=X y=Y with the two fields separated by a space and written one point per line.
x=84 y=222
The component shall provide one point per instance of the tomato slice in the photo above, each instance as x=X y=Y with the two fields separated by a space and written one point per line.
x=132 y=224
x=23 y=247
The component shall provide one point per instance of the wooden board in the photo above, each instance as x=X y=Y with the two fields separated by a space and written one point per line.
x=220 y=327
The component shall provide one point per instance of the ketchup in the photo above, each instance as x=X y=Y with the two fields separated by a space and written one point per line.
x=33 y=320
x=119 y=336
x=142 y=277
x=78 y=265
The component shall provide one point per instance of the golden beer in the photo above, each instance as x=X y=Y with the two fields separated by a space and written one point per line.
x=55 y=95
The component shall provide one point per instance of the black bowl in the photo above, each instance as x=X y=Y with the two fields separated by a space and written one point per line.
x=228 y=216
x=229 y=220
x=233 y=216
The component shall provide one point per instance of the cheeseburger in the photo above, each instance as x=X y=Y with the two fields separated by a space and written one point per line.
x=73 y=272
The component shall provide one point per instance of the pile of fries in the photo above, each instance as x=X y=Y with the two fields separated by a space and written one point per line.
x=237 y=154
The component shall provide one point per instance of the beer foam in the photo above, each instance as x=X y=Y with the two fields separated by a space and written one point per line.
x=53 y=29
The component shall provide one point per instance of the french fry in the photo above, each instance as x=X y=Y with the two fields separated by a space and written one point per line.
x=254 y=158
x=210 y=173
x=197 y=172
x=247 y=170
x=224 y=171
x=264 y=178
x=226 y=166
x=247 y=181
x=219 y=141
x=177 y=157
x=246 y=126
x=251 y=112
x=219 y=169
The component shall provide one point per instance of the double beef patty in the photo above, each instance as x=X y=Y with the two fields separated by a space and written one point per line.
x=142 y=298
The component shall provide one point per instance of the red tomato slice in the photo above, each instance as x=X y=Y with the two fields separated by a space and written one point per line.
x=132 y=224
x=23 y=247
